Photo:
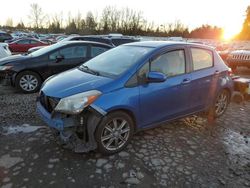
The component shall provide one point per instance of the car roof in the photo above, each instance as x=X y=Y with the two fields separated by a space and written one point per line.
x=161 y=44
x=84 y=42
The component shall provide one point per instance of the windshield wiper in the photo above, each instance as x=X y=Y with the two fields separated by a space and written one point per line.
x=87 y=69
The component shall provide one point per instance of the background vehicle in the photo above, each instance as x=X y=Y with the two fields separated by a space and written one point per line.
x=23 y=45
x=4 y=50
x=28 y=71
x=109 y=39
x=35 y=49
x=133 y=87
x=238 y=58
x=4 y=36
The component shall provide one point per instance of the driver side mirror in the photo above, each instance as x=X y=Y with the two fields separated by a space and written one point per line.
x=154 y=77
x=59 y=58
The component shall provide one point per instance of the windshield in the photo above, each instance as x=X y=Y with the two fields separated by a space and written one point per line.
x=46 y=49
x=116 y=61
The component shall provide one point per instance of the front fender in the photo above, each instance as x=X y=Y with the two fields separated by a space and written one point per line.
x=122 y=99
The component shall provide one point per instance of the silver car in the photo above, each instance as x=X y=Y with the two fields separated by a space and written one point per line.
x=4 y=50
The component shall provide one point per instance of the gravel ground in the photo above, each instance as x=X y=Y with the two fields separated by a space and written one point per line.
x=178 y=154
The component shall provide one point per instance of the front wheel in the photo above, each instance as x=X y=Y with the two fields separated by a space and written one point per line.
x=220 y=105
x=28 y=82
x=114 y=132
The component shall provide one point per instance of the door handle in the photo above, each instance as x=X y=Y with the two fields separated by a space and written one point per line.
x=186 y=81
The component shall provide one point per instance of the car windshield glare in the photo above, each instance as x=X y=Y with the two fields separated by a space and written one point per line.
x=118 y=60
x=46 y=49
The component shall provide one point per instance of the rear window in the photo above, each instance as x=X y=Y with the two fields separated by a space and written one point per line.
x=96 y=50
x=6 y=35
x=201 y=58
x=118 y=42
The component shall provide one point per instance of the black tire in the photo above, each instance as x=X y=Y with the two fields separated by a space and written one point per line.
x=220 y=104
x=35 y=81
x=102 y=130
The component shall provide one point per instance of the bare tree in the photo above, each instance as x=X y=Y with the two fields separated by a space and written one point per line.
x=36 y=16
x=9 y=22
x=90 y=23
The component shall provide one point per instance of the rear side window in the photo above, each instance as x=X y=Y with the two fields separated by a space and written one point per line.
x=201 y=58
x=33 y=42
x=96 y=50
x=23 y=42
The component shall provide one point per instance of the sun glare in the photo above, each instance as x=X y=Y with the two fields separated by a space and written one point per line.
x=229 y=33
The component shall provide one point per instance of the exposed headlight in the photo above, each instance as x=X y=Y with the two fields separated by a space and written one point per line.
x=5 y=67
x=76 y=103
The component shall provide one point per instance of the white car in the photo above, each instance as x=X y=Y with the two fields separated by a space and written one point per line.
x=4 y=50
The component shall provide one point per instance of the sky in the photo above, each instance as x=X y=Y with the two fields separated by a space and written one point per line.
x=228 y=14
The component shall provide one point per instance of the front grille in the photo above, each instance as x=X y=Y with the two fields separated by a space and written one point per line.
x=49 y=103
x=241 y=57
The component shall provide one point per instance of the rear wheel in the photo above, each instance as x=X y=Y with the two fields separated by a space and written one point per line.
x=28 y=82
x=114 y=132
x=220 y=105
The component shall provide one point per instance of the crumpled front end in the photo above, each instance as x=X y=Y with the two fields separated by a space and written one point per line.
x=75 y=132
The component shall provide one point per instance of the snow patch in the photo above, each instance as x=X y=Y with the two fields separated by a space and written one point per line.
x=25 y=128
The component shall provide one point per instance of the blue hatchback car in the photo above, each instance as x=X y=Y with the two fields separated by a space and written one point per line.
x=102 y=103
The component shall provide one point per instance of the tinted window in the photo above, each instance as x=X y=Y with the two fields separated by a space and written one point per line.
x=171 y=63
x=5 y=35
x=118 y=42
x=70 y=52
x=23 y=42
x=95 y=39
x=47 y=49
x=33 y=41
x=53 y=55
x=96 y=50
x=201 y=58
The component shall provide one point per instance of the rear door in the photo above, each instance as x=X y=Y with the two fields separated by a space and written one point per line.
x=68 y=57
x=20 y=46
x=204 y=77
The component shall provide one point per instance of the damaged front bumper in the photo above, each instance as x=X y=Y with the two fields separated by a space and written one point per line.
x=66 y=126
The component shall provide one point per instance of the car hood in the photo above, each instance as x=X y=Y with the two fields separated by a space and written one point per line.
x=73 y=82
x=13 y=59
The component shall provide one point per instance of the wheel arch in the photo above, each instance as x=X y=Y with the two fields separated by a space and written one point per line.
x=127 y=111
x=26 y=70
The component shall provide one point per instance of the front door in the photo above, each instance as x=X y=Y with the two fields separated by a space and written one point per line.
x=169 y=99
x=67 y=58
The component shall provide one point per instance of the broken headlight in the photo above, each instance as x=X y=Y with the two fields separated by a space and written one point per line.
x=76 y=103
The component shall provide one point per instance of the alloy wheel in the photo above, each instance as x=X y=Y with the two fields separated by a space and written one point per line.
x=221 y=103
x=115 y=134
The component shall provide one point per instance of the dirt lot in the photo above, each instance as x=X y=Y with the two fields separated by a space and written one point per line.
x=178 y=154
